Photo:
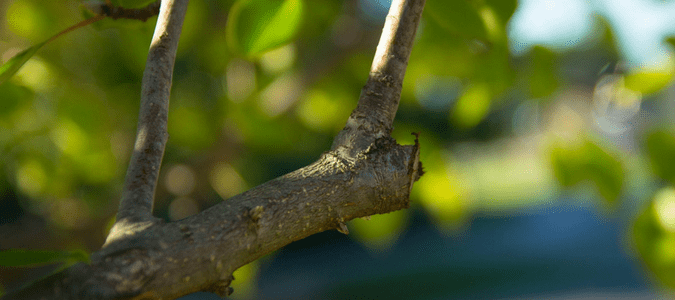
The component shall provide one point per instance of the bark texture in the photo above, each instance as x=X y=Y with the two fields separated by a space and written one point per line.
x=366 y=172
x=151 y=136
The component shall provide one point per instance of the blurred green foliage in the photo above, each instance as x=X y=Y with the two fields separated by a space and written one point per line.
x=9 y=68
x=261 y=87
x=256 y=26
x=660 y=145
x=654 y=236
x=20 y=257
x=573 y=164
x=543 y=80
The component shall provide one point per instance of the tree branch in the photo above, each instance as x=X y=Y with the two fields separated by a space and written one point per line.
x=378 y=103
x=141 y=179
x=365 y=173
x=115 y=12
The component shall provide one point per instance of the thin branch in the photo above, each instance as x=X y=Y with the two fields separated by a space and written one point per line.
x=141 y=179
x=76 y=26
x=117 y=12
x=380 y=96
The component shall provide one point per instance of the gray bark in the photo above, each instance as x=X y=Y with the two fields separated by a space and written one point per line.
x=366 y=172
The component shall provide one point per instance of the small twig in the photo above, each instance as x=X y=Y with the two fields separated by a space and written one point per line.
x=76 y=26
x=107 y=9
x=378 y=103
x=141 y=179
x=383 y=89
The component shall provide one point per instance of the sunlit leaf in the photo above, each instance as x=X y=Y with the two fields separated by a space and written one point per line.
x=380 y=231
x=654 y=236
x=457 y=16
x=21 y=257
x=660 y=147
x=246 y=279
x=472 y=106
x=9 y=68
x=440 y=193
x=441 y=197
x=255 y=26
x=649 y=81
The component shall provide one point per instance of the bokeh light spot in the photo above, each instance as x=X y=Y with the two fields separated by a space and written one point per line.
x=472 y=106
x=240 y=80
x=279 y=95
x=180 y=180
x=226 y=181
x=664 y=206
x=31 y=178
x=69 y=213
x=37 y=75
x=69 y=137
x=318 y=111
x=380 y=232
x=278 y=60
x=23 y=19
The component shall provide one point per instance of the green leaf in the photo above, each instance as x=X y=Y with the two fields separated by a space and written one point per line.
x=20 y=257
x=543 y=80
x=473 y=106
x=379 y=232
x=566 y=165
x=660 y=147
x=604 y=170
x=671 y=41
x=503 y=8
x=589 y=162
x=648 y=81
x=457 y=16
x=8 y=69
x=256 y=26
x=653 y=236
x=609 y=40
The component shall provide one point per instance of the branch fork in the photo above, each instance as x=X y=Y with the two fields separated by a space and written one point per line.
x=366 y=172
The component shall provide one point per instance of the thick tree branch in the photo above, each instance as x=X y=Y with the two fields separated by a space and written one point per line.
x=365 y=173
x=141 y=179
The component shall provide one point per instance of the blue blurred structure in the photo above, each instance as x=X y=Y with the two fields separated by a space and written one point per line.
x=563 y=250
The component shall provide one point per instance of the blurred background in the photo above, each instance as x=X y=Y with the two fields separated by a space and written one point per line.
x=546 y=128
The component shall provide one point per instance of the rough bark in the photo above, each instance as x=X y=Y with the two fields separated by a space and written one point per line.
x=366 y=172
x=151 y=136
